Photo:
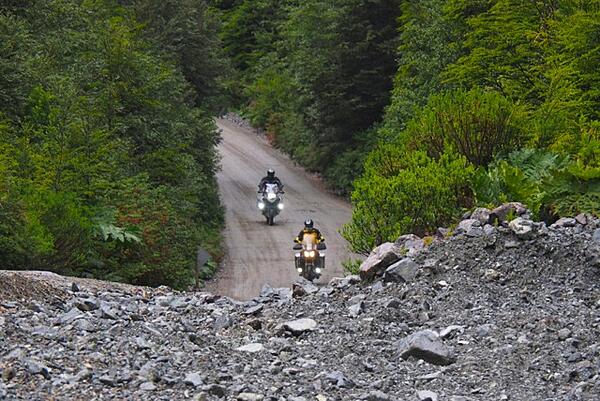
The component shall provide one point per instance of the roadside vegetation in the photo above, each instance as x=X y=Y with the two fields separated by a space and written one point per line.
x=107 y=142
x=420 y=109
x=416 y=110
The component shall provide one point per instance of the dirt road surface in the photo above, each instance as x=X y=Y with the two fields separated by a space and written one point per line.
x=259 y=254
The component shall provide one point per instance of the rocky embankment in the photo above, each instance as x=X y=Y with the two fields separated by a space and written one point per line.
x=492 y=312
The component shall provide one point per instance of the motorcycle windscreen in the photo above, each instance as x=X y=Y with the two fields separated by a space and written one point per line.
x=309 y=241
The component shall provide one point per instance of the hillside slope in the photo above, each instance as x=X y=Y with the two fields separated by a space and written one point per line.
x=490 y=317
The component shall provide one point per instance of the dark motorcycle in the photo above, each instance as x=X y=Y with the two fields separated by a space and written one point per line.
x=270 y=202
x=309 y=257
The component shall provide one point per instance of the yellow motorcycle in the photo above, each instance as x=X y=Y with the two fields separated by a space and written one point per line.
x=309 y=257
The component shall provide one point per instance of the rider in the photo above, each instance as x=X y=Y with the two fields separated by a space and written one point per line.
x=270 y=179
x=309 y=229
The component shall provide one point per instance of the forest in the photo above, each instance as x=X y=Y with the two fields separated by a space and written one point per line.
x=107 y=138
x=419 y=110
x=414 y=110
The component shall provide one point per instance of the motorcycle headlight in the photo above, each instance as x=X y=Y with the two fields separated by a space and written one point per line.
x=280 y=206
x=271 y=196
x=299 y=270
x=318 y=270
x=261 y=205
x=297 y=255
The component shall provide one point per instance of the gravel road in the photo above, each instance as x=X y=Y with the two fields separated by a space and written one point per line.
x=256 y=253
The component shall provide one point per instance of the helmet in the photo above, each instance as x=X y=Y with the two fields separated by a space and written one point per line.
x=308 y=223
x=270 y=173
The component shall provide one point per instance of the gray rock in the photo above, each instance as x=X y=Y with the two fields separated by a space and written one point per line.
x=405 y=270
x=251 y=348
x=223 y=322
x=193 y=379
x=85 y=325
x=563 y=334
x=178 y=303
x=376 y=396
x=489 y=230
x=276 y=293
x=253 y=310
x=482 y=215
x=524 y=229
x=250 y=397
x=74 y=287
x=35 y=368
x=70 y=316
x=443 y=232
x=510 y=244
x=465 y=225
x=380 y=258
x=299 y=326
x=339 y=379
x=87 y=305
x=357 y=299
x=426 y=395
x=411 y=243
x=303 y=287
x=45 y=331
x=475 y=232
x=426 y=345
x=491 y=275
x=450 y=330
x=377 y=286
x=564 y=222
x=107 y=311
x=582 y=219
x=344 y=282
x=147 y=386
x=356 y=309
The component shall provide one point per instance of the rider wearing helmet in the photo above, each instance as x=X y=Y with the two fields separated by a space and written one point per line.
x=270 y=178
x=309 y=229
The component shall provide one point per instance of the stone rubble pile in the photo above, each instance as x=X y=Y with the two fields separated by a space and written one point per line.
x=503 y=308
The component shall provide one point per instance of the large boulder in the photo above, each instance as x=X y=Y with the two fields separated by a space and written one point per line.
x=428 y=346
x=383 y=256
x=405 y=270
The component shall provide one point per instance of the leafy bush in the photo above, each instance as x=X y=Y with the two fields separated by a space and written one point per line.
x=405 y=193
x=476 y=124
x=351 y=266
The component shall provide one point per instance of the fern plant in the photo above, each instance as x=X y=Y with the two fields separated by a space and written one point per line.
x=550 y=185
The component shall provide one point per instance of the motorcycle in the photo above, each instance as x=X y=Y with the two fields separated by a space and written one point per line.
x=309 y=257
x=270 y=202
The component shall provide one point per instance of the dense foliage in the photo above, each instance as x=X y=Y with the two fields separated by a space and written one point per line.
x=107 y=147
x=476 y=102
x=316 y=74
